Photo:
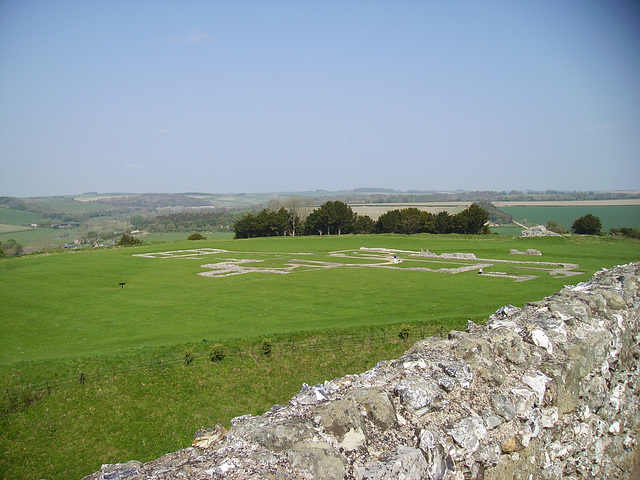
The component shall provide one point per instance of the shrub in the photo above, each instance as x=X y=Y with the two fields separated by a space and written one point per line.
x=266 y=347
x=556 y=227
x=624 y=232
x=217 y=352
x=405 y=332
x=587 y=225
x=196 y=236
x=188 y=356
x=127 y=239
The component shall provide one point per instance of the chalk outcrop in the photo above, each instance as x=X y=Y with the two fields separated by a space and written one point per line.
x=548 y=391
x=538 y=231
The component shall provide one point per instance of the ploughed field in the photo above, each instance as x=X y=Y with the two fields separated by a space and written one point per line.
x=123 y=372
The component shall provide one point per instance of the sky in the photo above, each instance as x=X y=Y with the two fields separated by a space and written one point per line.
x=280 y=95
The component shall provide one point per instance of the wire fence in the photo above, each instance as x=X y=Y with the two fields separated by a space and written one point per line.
x=21 y=396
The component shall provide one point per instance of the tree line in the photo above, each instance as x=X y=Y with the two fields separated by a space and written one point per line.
x=337 y=218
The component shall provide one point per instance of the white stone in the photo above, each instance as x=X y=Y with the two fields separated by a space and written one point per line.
x=541 y=339
x=538 y=384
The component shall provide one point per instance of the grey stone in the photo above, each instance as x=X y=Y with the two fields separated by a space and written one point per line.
x=276 y=436
x=439 y=462
x=468 y=433
x=377 y=405
x=460 y=371
x=419 y=395
x=405 y=463
x=119 y=471
x=342 y=419
x=503 y=406
x=319 y=459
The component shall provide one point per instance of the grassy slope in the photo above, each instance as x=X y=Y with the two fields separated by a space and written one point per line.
x=68 y=310
x=11 y=216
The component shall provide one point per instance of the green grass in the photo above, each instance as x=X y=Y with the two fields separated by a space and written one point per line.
x=617 y=216
x=64 y=313
x=11 y=216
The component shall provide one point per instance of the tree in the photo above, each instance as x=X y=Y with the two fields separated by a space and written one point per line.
x=388 y=222
x=363 y=224
x=245 y=227
x=470 y=221
x=442 y=222
x=136 y=221
x=333 y=217
x=413 y=220
x=587 y=225
x=127 y=239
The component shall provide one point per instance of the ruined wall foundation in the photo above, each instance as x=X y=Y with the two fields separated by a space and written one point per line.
x=548 y=391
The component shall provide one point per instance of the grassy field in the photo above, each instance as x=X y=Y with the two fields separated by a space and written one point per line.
x=73 y=299
x=11 y=216
x=65 y=313
x=615 y=216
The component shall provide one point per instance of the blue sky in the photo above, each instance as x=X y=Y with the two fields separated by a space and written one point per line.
x=263 y=96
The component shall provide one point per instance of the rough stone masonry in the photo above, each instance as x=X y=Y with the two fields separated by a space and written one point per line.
x=548 y=391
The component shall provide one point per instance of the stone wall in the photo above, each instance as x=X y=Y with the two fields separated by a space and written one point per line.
x=548 y=391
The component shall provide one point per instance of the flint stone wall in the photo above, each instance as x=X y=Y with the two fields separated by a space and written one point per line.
x=544 y=392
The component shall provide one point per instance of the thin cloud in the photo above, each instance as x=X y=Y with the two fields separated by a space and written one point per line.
x=164 y=131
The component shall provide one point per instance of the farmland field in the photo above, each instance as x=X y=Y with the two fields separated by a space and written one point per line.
x=65 y=313
x=611 y=216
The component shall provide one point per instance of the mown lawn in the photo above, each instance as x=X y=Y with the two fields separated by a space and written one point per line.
x=65 y=313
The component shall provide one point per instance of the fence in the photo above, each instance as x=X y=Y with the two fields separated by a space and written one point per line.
x=21 y=396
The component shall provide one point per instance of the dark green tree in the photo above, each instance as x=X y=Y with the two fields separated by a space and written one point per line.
x=127 y=239
x=388 y=222
x=363 y=224
x=246 y=226
x=332 y=218
x=470 y=221
x=442 y=222
x=587 y=225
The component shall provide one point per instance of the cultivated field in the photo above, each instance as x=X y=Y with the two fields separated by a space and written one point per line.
x=122 y=372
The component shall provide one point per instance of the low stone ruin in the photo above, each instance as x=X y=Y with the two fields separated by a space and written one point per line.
x=528 y=251
x=548 y=391
x=538 y=231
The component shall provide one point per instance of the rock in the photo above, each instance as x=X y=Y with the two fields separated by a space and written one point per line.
x=276 y=436
x=377 y=405
x=468 y=432
x=207 y=437
x=439 y=463
x=405 y=463
x=537 y=383
x=503 y=406
x=120 y=471
x=310 y=395
x=460 y=371
x=319 y=459
x=342 y=419
x=419 y=395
